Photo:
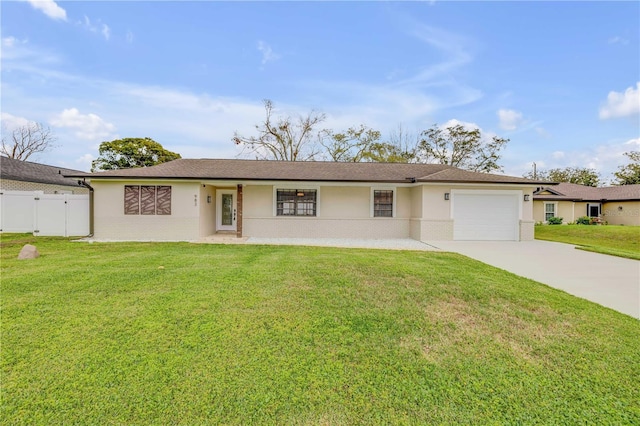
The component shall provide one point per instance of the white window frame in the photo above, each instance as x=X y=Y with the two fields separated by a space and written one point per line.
x=297 y=185
x=555 y=209
x=599 y=205
x=372 y=200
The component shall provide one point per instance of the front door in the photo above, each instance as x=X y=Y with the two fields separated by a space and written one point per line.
x=226 y=210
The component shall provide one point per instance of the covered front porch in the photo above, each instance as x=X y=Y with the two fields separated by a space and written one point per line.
x=220 y=210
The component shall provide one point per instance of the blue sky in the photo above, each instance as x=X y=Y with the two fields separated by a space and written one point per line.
x=561 y=80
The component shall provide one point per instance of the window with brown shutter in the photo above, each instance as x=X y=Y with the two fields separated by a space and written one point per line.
x=147 y=200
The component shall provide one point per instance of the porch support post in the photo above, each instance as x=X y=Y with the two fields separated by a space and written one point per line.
x=239 y=212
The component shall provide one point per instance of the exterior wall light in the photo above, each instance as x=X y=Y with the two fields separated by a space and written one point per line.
x=446 y=196
x=526 y=197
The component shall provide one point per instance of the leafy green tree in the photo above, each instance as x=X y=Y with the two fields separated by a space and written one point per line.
x=630 y=173
x=351 y=146
x=578 y=175
x=363 y=144
x=460 y=147
x=283 y=138
x=387 y=152
x=130 y=153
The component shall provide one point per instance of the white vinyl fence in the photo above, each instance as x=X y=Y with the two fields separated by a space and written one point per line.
x=64 y=215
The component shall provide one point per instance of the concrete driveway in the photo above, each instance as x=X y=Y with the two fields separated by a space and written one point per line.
x=608 y=280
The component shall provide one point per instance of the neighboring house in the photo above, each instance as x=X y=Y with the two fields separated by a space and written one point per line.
x=18 y=175
x=617 y=205
x=39 y=199
x=189 y=199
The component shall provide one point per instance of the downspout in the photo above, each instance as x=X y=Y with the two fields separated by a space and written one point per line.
x=90 y=188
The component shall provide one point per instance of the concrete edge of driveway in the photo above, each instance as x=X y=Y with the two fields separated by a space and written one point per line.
x=610 y=281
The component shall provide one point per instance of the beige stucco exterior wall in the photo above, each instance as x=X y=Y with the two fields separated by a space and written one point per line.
x=257 y=201
x=578 y=209
x=17 y=185
x=432 y=219
x=436 y=221
x=622 y=212
x=421 y=213
x=344 y=202
x=343 y=212
x=538 y=211
x=111 y=223
x=570 y=211
x=567 y=210
x=527 y=230
x=207 y=211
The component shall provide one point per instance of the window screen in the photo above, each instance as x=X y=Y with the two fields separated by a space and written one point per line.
x=296 y=202
x=382 y=203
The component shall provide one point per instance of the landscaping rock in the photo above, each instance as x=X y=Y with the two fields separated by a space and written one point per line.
x=28 y=252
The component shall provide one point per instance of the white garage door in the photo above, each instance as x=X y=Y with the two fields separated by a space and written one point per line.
x=485 y=216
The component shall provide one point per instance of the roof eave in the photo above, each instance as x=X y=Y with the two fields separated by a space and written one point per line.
x=476 y=181
x=200 y=178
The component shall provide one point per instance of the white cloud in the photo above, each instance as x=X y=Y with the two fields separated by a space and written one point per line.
x=21 y=55
x=97 y=28
x=542 y=132
x=10 y=122
x=84 y=161
x=558 y=155
x=618 y=40
x=129 y=36
x=87 y=126
x=49 y=8
x=509 y=119
x=632 y=144
x=454 y=48
x=622 y=104
x=268 y=54
x=11 y=41
x=106 y=31
x=465 y=124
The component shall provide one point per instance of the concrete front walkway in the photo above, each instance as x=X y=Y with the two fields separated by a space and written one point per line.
x=608 y=280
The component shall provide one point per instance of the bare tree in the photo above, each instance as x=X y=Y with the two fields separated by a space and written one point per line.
x=402 y=146
x=283 y=138
x=26 y=140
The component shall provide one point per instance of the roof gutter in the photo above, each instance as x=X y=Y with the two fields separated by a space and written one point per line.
x=90 y=188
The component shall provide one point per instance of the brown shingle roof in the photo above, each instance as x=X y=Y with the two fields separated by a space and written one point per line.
x=305 y=171
x=453 y=174
x=574 y=192
x=26 y=171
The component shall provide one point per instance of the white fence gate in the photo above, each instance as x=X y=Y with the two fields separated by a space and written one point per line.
x=64 y=215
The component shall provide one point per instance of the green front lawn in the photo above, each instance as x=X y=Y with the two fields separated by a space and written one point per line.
x=142 y=333
x=623 y=241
